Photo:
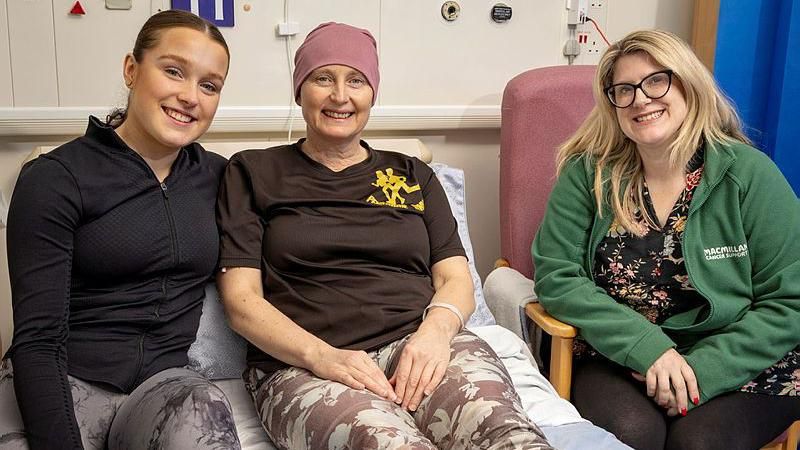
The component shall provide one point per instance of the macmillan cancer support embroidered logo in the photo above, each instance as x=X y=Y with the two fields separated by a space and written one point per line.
x=725 y=251
x=391 y=185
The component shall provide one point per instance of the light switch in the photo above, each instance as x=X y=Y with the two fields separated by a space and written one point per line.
x=118 y=4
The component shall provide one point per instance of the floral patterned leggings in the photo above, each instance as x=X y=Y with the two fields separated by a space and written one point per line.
x=475 y=406
x=174 y=409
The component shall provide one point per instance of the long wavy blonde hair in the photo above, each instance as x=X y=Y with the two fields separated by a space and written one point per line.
x=710 y=118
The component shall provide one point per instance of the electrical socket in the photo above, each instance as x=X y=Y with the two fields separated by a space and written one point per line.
x=591 y=43
x=591 y=47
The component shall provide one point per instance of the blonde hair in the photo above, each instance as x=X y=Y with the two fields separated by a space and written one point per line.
x=710 y=118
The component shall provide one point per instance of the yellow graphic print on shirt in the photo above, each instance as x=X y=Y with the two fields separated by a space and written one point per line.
x=391 y=185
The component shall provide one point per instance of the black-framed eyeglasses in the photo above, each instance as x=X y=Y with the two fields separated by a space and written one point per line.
x=654 y=86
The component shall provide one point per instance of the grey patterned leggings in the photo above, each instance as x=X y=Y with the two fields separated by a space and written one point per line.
x=174 y=409
x=475 y=406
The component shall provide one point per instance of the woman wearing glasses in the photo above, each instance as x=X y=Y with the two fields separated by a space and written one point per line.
x=673 y=245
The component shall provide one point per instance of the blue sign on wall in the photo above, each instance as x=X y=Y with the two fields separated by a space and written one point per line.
x=218 y=12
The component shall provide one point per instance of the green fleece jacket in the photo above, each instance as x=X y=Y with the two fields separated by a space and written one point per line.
x=741 y=246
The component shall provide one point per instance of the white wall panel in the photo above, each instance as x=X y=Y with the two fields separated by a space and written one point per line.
x=426 y=60
x=6 y=93
x=90 y=51
x=33 y=52
x=259 y=72
x=625 y=16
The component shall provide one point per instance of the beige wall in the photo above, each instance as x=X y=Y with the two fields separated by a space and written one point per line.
x=426 y=64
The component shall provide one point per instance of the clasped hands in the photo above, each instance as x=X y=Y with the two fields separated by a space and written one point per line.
x=671 y=383
x=421 y=367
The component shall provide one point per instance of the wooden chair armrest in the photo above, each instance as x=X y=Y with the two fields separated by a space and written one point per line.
x=536 y=312
x=560 y=349
x=561 y=346
x=548 y=323
x=788 y=440
x=793 y=438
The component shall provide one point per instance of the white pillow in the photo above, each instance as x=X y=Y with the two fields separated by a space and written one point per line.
x=218 y=352
x=452 y=180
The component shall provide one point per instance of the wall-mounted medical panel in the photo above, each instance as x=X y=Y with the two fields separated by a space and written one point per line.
x=426 y=59
x=90 y=51
x=6 y=92
x=33 y=52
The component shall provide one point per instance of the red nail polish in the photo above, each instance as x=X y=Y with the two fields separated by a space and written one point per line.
x=696 y=401
x=683 y=412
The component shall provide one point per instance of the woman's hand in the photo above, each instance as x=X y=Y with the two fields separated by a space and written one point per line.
x=672 y=409
x=354 y=369
x=671 y=383
x=422 y=363
x=253 y=317
x=426 y=354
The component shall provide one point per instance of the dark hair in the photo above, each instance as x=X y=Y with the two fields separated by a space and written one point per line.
x=150 y=34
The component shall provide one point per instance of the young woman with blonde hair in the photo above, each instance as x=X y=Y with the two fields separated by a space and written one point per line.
x=672 y=244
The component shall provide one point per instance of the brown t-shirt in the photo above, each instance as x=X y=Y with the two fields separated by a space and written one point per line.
x=346 y=255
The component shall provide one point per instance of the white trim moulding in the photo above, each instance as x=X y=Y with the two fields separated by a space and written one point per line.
x=42 y=121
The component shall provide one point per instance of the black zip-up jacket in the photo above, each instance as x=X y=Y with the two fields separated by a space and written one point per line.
x=107 y=269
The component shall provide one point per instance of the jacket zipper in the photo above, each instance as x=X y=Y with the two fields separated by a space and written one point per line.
x=175 y=258
x=173 y=248
x=171 y=220
x=686 y=261
x=164 y=293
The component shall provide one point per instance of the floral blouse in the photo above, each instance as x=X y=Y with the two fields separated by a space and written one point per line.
x=648 y=274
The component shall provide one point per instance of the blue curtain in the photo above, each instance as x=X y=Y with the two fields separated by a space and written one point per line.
x=757 y=63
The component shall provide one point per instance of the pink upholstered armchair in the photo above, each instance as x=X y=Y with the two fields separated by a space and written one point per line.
x=541 y=109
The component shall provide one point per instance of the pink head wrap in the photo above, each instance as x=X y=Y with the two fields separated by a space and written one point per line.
x=337 y=43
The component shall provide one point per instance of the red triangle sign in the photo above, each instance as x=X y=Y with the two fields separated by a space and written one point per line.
x=77 y=9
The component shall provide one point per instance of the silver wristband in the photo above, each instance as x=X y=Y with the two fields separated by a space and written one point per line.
x=448 y=307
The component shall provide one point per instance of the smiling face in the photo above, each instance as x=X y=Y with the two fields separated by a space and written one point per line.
x=175 y=90
x=336 y=102
x=652 y=124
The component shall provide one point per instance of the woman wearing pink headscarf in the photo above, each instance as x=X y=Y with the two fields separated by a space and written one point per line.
x=342 y=266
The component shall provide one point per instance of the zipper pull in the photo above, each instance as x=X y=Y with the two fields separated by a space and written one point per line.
x=164 y=189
